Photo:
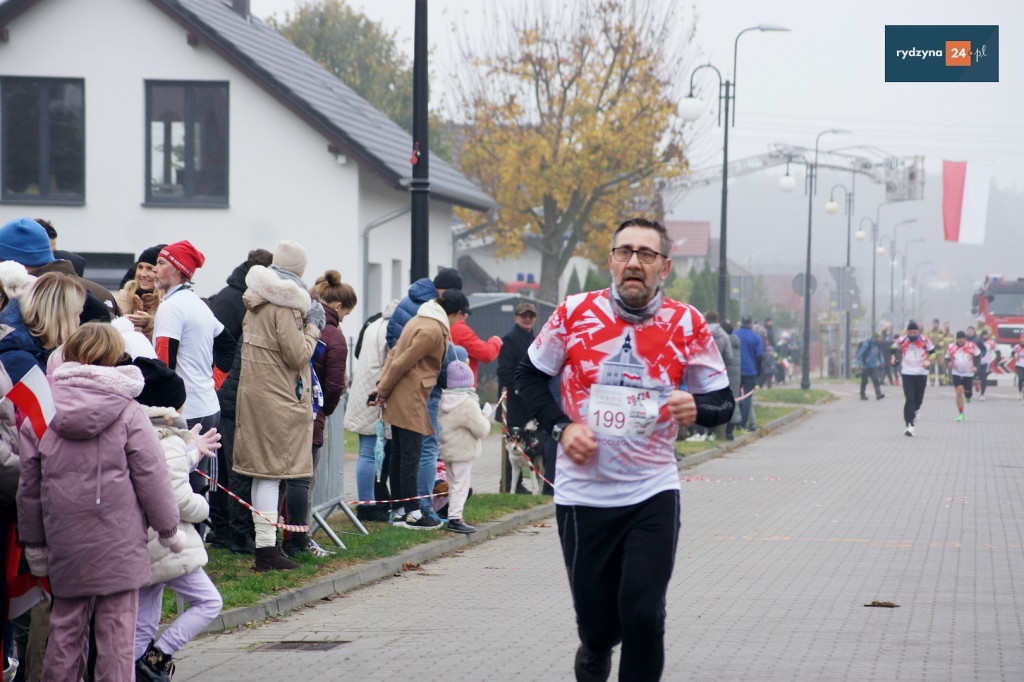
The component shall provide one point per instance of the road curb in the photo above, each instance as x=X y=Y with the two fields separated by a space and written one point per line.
x=351 y=578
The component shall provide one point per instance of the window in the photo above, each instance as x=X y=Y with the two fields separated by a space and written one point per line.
x=186 y=143
x=43 y=140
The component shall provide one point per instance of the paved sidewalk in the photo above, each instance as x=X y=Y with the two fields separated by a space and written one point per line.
x=783 y=542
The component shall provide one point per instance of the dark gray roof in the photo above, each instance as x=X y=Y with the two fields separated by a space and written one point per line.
x=311 y=91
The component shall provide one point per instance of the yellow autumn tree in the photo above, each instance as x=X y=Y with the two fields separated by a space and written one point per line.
x=571 y=122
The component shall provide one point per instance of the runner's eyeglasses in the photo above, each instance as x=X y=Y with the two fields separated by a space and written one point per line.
x=645 y=256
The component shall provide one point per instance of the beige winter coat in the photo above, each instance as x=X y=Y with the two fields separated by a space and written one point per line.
x=274 y=416
x=411 y=369
x=463 y=426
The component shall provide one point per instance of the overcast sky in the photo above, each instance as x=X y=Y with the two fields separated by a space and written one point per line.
x=826 y=73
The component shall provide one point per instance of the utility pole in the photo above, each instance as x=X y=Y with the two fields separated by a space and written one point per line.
x=420 y=186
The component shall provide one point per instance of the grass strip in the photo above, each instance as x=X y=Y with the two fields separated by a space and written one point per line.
x=795 y=396
x=239 y=585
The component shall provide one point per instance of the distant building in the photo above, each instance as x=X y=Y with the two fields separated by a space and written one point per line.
x=690 y=244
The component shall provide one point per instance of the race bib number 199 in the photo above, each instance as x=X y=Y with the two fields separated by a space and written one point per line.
x=623 y=410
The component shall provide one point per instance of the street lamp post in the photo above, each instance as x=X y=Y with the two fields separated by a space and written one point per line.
x=874 y=258
x=844 y=289
x=914 y=297
x=918 y=298
x=892 y=265
x=690 y=109
x=880 y=250
x=903 y=274
x=812 y=172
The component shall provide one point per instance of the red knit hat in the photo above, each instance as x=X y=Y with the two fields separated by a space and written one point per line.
x=183 y=256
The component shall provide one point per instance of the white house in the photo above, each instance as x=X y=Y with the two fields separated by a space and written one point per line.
x=129 y=123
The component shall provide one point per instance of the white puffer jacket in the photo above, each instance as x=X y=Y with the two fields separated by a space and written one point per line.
x=360 y=418
x=164 y=564
x=463 y=426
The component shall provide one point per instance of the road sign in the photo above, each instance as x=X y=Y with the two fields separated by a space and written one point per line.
x=798 y=284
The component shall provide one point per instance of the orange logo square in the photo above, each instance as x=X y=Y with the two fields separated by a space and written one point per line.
x=958 y=53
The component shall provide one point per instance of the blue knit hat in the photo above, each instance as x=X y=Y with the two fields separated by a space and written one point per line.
x=25 y=241
x=460 y=375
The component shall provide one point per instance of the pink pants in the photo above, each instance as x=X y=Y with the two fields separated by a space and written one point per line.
x=69 y=631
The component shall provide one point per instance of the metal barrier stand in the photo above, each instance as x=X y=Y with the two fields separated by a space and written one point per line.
x=330 y=479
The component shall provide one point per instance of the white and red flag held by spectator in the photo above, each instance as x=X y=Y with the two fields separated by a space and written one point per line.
x=31 y=395
x=965 y=189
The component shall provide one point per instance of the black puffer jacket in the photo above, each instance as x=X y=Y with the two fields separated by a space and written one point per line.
x=227 y=394
x=227 y=304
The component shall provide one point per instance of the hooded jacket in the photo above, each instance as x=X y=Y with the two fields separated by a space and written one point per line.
x=463 y=426
x=420 y=291
x=411 y=369
x=360 y=417
x=164 y=564
x=274 y=409
x=91 y=483
x=227 y=305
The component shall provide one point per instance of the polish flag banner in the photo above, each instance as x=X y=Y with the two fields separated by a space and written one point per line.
x=965 y=188
x=24 y=590
x=32 y=396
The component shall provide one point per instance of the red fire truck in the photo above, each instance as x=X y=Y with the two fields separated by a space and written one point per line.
x=1000 y=302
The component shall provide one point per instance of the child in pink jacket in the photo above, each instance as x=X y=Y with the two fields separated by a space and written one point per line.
x=87 y=488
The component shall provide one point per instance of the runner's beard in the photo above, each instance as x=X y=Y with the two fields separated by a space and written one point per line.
x=634 y=292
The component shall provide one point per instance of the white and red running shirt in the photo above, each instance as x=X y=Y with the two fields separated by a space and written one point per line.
x=1018 y=355
x=915 y=352
x=988 y=349
x=617 y=378
x=961 y=358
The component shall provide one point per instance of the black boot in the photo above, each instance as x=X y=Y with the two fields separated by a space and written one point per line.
x=154 y=666
x=271 y=559
x=297 y=544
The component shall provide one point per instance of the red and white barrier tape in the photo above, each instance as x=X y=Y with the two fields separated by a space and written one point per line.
x=303 y=529
x=236 y=498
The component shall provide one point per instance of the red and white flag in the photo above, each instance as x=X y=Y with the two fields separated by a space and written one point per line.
x=32 y=396
x=965 y=188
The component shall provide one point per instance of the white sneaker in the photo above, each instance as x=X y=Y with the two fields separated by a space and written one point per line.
x=909 y=431
x=981 y=398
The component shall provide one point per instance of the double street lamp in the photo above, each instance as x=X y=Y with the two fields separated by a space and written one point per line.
x=914 y=299
x=690 y=109
x=892 y=263
x=812 y=172
x=844 y=289
x=903 y=274
x=917 y=300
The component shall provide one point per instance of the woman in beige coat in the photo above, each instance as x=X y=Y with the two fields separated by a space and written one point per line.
x=274 y=416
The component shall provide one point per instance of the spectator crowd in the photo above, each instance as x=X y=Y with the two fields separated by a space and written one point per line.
x=128 y=414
